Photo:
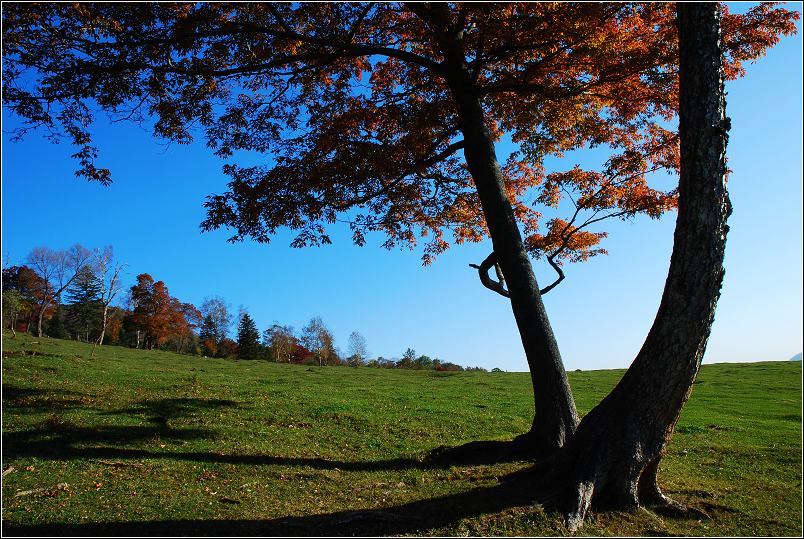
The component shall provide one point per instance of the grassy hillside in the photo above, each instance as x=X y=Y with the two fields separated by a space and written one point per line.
x=148 y=442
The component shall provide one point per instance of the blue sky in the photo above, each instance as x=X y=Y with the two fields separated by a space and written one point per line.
x=600 y=313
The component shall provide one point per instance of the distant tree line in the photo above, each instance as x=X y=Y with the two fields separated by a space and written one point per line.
x=69 y=294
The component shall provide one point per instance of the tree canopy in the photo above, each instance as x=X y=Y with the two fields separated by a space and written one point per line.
x=354 y=105
x=159 y=315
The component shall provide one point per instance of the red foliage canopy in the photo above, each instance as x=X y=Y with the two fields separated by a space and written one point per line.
x=159 y=315
x=352 y=105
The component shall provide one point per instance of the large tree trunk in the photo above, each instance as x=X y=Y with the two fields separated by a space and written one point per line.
x=555 y=416
x=615 y=452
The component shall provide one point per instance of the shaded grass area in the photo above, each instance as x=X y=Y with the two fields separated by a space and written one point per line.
x=153 y=443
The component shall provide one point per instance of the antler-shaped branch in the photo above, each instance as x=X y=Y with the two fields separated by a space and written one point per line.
x=499 y=285
x=488 y=282
x=556 y=267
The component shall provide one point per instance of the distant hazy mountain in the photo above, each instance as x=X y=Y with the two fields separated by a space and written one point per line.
x=796 y=357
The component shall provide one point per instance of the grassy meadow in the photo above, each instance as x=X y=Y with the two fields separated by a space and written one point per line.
x=140 y=442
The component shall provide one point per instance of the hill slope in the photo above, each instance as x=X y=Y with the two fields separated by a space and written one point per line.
x=150 y=442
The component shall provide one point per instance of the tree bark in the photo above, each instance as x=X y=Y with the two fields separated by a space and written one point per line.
x=614 y=456
x=103 y=325
x=99 y=340
x=555 y=416
x=39 y=321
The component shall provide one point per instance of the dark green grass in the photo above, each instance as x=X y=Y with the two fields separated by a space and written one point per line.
x=150 y=442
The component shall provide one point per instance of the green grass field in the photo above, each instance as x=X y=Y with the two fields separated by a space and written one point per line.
x=149 y=442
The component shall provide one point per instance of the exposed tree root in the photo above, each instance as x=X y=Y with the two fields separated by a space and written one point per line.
x=574 y=485
x=577 y=478
x=651 y=496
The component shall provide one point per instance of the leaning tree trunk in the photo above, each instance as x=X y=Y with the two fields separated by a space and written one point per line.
x=555 y=416
x=104 y=322
x=613 y=457
x=99 y=340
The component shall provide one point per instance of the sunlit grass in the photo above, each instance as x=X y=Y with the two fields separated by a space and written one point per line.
x=185 y=445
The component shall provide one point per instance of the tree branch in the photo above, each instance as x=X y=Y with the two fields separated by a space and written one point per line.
x=488 y=282
x=356 y=49
x=558 y=269
x=446 y=152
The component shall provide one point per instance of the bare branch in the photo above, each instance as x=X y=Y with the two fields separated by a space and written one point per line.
x=556 y=267
x=488 y=282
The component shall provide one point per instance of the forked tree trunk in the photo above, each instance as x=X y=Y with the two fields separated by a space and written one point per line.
x=614 y=456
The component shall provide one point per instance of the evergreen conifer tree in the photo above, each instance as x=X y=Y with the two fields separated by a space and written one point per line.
x=248 y=338
x=83 y=298
x=55 y=327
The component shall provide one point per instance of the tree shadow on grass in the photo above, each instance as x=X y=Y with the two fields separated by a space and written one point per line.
x=70 y=442
x=18 y=399
x=161 y=411
x=57 y=438
x=485 y=452
x=415 y=517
